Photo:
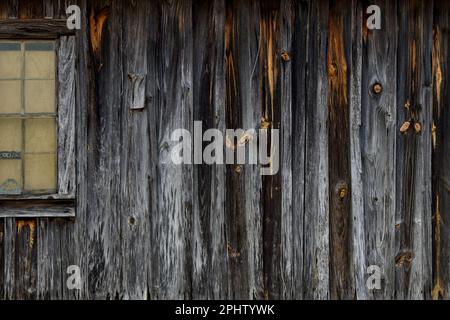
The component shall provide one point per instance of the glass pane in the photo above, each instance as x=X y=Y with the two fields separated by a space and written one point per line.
x=40 y=172
x=40 y=135
x=40 y=64
x=11 y=97
x=10 y=134
x=10 y=60
x=10 y=177
x=39 y=96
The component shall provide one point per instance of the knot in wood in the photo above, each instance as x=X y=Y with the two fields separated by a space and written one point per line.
x=343 y=192
x=285 y=56
x=377 y=88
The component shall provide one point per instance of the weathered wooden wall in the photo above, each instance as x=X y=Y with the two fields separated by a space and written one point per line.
x=352 y=190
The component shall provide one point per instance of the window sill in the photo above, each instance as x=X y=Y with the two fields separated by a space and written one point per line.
x=37 y=207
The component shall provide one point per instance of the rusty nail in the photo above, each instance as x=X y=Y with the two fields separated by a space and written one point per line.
x=377 y=88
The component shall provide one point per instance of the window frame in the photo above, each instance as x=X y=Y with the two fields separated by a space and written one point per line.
x=63 y=202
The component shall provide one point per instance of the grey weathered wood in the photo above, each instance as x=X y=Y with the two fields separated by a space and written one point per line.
x=173 y=104
x=145 y=229
x=358 y=229
x=413 y=165
x=37 y=208
x=316 y=230
x=378 y=139
x=209 y=261
x=66 y=117
x=135 y=154
x=102 y=204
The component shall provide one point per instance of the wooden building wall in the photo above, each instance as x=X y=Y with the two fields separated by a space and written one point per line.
x=352 y=190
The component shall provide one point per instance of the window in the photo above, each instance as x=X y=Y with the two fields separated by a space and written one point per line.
x=28 y=128
x=37 y=119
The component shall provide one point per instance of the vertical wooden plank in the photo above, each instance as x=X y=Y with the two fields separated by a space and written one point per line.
x=153 y=86
x=441 y=150
x=288 y=12
x=103 y=151
x=31 y=9
x=2 y=259
x=48 y=9
x=339 y=44
x=4 y=10
x=135 y=153
x=316 y=224
x=66 y=117
x=49 y=269
x=209 y=274
x=295 y=29
x=25 y=259
x=74 y=239
x=170 y=221
x=244 y=185
x=413 y=196
x=358 y=228
x=13 y=8
x=270 y=72
x=378 y=137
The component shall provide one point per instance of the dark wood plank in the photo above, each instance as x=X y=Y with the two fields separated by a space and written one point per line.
x=294 y=141
x=339 y=44
x=33 y=28
x=103 y=184
x=316 y=224
x=25 y=259
x=441 y=151
x=244 y=223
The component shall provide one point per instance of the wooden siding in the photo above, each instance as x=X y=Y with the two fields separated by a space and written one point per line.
x=353 y=190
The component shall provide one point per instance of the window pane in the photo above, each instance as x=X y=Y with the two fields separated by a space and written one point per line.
x=10 y=134
x=40 y=96
x=10 y=177
x=10 y=60
x=39 y=61
x=10 y=96
x=40 y=135
x=40 y=172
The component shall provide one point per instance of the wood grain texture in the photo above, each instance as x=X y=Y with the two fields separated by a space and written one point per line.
x=67 y=179
x=441 y=150
x=33 y=28
x=378 y=134
x=209 y=261
x=352 y=190
x=413 y=165
x=316 y=224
